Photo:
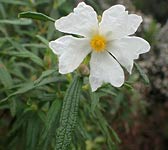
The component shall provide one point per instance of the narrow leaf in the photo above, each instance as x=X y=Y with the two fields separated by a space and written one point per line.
x=112 y=138
x=68 y=118
x=36 y=16
x=58 y=3
x=15 y=2
x=5 y=77
x=25 y=87
x=51 y=116
x=13 y=107
x=31 y=85
x=27 y=54
x=24 y=53
x=142 y=73
x=44 y=74
x=32 y=135
x=51 y=120
x=16 y=21
x=42 y=39
x=94 y=101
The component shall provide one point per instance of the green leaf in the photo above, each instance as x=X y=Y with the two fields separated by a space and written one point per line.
x=42 y=2
x=110 y=135
x=27 y=54
x=50 y=123
x=50 y=80
x=16 y=44
x=5 y=77
x=36 y=16
x=24 y=53
x=52 y=114
x=42 y=39
x=15 y=2
x=40 y=46
x=142 y=73
x=108 y=90
x=94 y=101
x=44 y=75
x=13 y=106
x=2 y=10
x=16 y=21
x=20 y=120
x=58 y=3
x=128 y=86
x=25 y=87
x=68 y=118
x=33 y=130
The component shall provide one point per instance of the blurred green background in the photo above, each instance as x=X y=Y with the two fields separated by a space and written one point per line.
x=133 y=117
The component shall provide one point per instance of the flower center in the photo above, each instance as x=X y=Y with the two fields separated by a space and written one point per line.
x=98 y=43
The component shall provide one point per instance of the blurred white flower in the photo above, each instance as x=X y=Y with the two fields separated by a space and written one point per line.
x=108 y=41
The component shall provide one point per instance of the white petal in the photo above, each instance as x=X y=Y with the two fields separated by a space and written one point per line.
x=114 y=22
x=103 y=69
x=71 y=52
x=127 y=49
x=83 y=21
x=133 y=23
x=114 y=11
x=59 y=46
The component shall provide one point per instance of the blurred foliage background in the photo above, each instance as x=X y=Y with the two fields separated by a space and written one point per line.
x=133 y=117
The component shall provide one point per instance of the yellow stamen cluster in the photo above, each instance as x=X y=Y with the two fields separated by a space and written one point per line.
x=98 y=43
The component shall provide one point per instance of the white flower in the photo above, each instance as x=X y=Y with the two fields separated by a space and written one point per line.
x=108 y=41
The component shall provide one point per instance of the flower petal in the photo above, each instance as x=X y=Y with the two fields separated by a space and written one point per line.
x=114 y=22
x=133 y=23
x=114 y=11
x=71 y=52
x=127 y=49
x=83 y=21
x=104 y=68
